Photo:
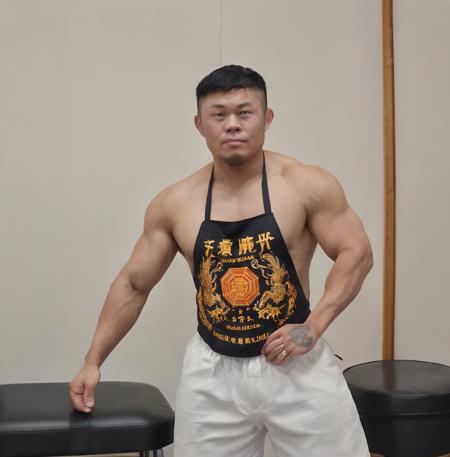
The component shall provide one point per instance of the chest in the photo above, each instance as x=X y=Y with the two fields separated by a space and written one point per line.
x=288 y=212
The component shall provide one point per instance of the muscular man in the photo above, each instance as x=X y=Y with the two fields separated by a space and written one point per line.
x=247 y=224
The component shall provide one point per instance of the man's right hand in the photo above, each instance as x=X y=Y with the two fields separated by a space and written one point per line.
x=152 y=255
x=82 y=388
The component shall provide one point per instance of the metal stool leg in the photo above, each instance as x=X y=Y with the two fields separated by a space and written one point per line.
x=156 y=453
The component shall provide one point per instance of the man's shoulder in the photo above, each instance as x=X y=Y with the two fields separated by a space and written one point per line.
x=313 y=182
x=167 y=202
x=300 y=172
x=186 y=188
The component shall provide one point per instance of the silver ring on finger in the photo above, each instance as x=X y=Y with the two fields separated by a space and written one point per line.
x=283 y=353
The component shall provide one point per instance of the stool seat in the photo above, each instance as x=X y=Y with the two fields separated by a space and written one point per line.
x=38 y=419
x=404 y=406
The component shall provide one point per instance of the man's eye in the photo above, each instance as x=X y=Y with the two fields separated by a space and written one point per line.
x=245 y=112
x=218 y=114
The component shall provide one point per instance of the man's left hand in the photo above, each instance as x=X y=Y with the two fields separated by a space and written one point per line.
x=293 y=339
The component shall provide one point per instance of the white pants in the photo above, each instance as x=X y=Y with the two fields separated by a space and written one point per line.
x=226 y=405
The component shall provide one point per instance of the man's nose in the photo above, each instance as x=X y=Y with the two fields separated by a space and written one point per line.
x=232 y=123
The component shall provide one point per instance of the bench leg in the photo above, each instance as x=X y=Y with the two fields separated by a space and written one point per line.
x=156 y=453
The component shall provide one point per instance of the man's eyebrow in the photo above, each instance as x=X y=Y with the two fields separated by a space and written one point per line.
x=219 y=106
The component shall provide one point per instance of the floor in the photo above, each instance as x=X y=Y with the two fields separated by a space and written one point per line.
x=136 y=455
x=377 y=455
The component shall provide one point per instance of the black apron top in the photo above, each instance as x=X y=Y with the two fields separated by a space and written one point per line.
x=246 y=282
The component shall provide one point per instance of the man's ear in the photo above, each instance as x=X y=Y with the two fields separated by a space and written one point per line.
x=268 y=118
x=198 y=124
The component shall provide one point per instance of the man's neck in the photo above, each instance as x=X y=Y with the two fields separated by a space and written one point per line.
x=233 y=177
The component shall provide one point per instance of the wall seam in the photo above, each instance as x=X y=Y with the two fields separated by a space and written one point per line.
x=220 y=31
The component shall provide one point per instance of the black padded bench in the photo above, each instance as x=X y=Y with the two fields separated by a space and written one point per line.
x=404 y=406
x=38 y=419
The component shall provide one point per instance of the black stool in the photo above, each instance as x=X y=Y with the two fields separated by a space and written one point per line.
x=404 y=406
x=37 y=419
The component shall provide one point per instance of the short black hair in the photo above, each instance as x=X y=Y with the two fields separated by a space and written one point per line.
x=230 y=77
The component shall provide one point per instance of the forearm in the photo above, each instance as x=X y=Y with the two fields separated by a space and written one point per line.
x=120 y=311
x=342 y=285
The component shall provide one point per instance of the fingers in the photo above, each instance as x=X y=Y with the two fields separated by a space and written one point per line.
x=82 y=388
x=76 y=391
x=88 y=397
x=269 y=346
x=271 y=338
x=294 y=338
x=288 y=357
x=274 y=351
x=281 y=354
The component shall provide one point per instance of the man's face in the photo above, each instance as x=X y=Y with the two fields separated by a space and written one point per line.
x=234 y=124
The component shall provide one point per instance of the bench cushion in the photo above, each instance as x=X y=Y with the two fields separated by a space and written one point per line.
x=37 y=419
x=400 y=387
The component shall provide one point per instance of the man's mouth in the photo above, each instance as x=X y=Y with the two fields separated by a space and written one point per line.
x=234 y=141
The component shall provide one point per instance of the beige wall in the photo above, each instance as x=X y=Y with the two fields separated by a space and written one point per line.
x=97 y=107
x=422 y=75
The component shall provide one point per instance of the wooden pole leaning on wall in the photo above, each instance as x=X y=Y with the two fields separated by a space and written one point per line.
x=389 y=183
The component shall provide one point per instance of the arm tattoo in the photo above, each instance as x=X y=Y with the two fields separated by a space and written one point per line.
x=301 y=335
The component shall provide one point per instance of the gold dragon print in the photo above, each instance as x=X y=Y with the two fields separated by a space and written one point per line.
x=207 y=295
x=270 y=303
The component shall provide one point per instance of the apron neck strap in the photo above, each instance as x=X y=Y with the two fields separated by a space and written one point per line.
x=265 y=191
